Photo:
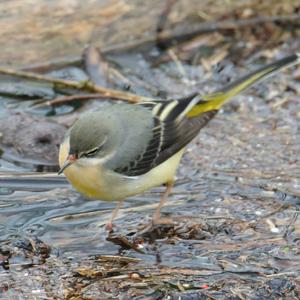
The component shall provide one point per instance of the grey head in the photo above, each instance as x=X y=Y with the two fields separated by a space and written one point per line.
x=89 y=135
x=118 y=133
x=121 y=129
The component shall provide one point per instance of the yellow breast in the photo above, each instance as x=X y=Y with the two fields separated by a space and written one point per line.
x=97 y=182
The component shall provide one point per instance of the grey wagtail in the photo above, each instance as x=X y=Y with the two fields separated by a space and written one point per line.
x=125 y=149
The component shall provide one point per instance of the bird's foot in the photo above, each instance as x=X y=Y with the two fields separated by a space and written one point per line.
x=109 y=226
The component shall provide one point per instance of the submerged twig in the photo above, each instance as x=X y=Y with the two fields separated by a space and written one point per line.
x=82 y=86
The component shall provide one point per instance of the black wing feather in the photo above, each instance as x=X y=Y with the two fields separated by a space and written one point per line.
x=171 y=132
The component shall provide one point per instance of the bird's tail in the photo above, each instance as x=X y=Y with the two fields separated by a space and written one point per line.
x=216 y=100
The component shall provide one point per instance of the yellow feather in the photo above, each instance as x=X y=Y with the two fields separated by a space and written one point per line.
x=216 y=100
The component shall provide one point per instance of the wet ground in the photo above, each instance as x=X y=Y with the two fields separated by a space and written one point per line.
x=233 y=230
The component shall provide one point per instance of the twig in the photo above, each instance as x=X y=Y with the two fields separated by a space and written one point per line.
x=54 y=64
x=209 y=27
x=118 y=258
x=66 y=99
x=283 y=274
x=162 y=22
x=202 y=28
x=82 y=86
x=178 y=64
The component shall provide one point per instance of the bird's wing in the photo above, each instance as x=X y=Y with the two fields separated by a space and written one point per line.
x=170 y=133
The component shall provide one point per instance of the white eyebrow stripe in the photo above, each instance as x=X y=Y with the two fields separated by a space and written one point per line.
x=95 y=148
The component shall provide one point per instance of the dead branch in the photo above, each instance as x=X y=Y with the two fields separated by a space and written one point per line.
x=211 y=26
x=81 y=86
x=67 y=99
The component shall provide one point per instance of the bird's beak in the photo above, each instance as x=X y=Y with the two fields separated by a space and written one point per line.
x=69 y=161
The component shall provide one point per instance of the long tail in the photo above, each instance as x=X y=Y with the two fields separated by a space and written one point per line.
x=216 y=100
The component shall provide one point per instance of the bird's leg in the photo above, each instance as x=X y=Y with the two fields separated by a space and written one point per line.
x=109 y=224
x=163 y=200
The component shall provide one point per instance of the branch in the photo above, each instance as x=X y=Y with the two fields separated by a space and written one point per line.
x=81 y=86
x=66 y=99
x=211 y=26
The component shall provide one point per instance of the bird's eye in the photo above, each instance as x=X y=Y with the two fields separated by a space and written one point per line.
x=91 y=152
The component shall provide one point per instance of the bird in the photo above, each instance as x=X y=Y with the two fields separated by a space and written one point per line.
x=126 y=149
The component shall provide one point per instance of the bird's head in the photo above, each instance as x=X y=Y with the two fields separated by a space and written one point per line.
x=88 y=141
